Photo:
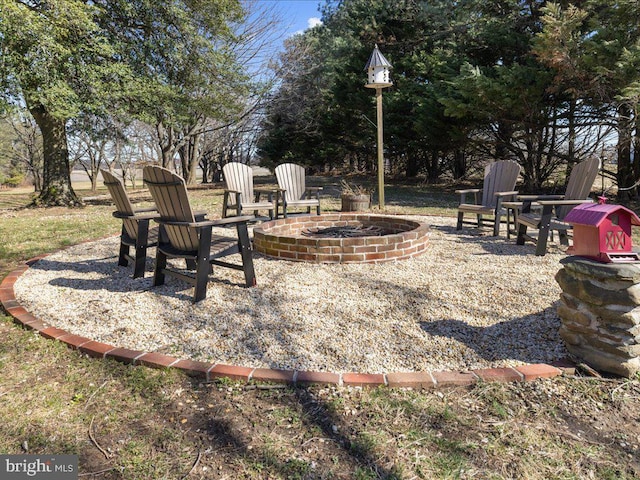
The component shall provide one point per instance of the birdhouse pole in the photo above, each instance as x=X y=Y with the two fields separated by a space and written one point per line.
x=378 y=78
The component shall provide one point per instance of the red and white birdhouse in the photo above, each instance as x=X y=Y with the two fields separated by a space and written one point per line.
x=602 y=232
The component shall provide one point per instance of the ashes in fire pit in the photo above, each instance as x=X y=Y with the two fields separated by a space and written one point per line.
x=350 y=231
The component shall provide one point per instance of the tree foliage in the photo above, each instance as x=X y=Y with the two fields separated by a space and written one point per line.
x=169 y=63
x=474 y=81
x=54 y=59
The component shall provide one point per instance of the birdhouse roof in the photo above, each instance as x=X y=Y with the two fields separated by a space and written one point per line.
x=377 y=60
x=595 y=213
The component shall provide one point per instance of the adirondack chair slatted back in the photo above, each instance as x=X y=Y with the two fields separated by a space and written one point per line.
x=291 y=178
x=580 y=183
x=239 y=177
x=500 y=176
x=121 y=199
x=170 y=195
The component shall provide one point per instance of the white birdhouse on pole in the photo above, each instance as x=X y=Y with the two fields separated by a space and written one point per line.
x=378 y=70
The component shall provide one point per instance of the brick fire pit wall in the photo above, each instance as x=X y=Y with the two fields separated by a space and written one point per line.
x=284 y=239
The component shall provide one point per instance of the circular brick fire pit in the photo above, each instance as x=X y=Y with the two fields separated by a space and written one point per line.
x=341 y=238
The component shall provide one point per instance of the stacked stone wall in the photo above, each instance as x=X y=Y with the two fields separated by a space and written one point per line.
x=599 y=311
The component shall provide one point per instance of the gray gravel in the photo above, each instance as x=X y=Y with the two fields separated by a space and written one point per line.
x=472 y=301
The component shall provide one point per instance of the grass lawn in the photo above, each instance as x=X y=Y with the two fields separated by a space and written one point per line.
x=137 y=423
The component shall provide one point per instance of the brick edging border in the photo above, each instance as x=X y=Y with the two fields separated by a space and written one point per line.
x=209 y=371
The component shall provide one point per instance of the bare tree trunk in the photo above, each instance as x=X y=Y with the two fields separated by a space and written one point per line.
x=189 y=157
x=165 y=140
x=625 y=171
x=412 y=167
x=56 y=178
x=572 y=133
x=459 y=163
x=571 y=153
x=433 y=172
x=636 y=147
x=503 y=138
x=194 y=157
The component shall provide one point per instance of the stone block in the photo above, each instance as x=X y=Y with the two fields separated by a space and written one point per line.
x=599 y=314
x=569 y=337
x=595 y=292
x=606 y=362
x=612 y=313
x=620 y=349
x=633 y=293
x=569 y=300
x=629 y=272
x=573 y=315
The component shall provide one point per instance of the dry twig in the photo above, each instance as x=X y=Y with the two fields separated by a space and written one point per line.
x=588 y=370
x=99 y=472
x=316 y=438
x=95 y=442
x=195 y=464
x=597 y=379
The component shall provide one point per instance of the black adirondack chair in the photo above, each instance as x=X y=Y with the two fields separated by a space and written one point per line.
x=190 y=237
x=136 y=231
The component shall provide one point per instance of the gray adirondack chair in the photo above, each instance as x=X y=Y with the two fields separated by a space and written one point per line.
x=551 y=209
x=191 y=238
x=499 y=183
x=295 y=193
x=136 y=232
x=239 y=193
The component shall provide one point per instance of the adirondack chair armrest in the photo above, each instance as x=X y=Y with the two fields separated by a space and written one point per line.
x=512 y=204
x=534 y=198
x=506 y=194
x=548 y=207
x=232 y=220
x=463 y=194
x=538 y=200
x=561 y=203
x=500 y=196
x=313 y=189
x=207 y=223
x=136 y=216
x=143 y=210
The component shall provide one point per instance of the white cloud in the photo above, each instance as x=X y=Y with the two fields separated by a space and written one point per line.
x=313 y=22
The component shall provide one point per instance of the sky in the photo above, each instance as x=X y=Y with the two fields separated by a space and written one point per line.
x=301 y=13
x=291 y=17
x=298 y=15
